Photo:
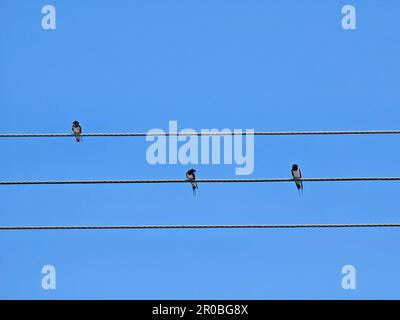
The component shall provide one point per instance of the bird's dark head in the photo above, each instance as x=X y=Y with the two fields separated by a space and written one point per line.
x=191 y=171
x=295 y=167
x=75 y=123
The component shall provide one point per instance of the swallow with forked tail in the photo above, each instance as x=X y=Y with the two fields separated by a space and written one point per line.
x=190 y=175
x=296 y=174
x=77 y=130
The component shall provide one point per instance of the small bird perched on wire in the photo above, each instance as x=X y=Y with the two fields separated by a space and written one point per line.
x=296 y=173
x=192 y=179
x=77 y=130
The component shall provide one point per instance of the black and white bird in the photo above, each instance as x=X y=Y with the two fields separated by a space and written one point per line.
x=296 y=173
x=190 y=175
x=77 y=130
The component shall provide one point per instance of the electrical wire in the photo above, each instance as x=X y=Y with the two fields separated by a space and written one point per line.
x=339 y=179
x=233 y=133
x=225 y=226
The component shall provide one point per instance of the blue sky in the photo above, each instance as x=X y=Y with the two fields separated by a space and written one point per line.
x=130 y=66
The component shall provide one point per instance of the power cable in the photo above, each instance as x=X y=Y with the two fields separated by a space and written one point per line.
x=242 y=133
x=226 y=226
x=339 y=179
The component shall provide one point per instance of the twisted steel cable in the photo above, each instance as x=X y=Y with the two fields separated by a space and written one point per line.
x=340 y=179
x=242 y=133
x=227 y=226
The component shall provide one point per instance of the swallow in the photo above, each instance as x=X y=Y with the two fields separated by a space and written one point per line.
x=77 y=130
x=296 y=173
x=192 y=179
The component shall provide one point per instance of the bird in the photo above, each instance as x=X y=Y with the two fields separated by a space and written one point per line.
x=296 y=173
x=192 y=179
x=77 y=130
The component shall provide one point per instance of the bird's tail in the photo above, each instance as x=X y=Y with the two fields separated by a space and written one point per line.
x=78 y=137
x=300 y=190
x=194 y=187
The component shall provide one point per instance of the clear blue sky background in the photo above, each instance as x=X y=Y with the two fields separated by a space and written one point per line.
x=123 y=66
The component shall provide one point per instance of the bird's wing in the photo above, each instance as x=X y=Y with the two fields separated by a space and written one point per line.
x=301 y=182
